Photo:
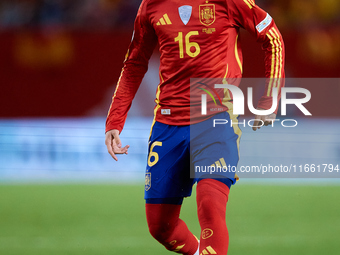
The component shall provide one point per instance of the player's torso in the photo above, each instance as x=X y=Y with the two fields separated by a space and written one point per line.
x=192 y=33
x=196 y=40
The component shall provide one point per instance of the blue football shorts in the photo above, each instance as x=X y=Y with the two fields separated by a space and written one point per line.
x=179 y=156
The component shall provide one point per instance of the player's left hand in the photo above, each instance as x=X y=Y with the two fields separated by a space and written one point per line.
x=267 y=120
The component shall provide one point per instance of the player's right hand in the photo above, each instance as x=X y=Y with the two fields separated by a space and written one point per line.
x=114 y=145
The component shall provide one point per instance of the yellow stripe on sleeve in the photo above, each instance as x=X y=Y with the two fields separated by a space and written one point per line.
x=237 y=56
x=280 y=53
x=277 y=56
x=252 y=2
x=249 y=5
x=272 y=65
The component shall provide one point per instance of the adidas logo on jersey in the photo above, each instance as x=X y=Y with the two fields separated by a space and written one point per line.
x=208 y=250
x=164 y=20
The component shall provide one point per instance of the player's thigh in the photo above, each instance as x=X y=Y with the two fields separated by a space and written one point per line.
x=215 y=149
x=168 y=168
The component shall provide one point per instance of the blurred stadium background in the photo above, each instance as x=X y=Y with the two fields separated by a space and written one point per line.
x=61 y=193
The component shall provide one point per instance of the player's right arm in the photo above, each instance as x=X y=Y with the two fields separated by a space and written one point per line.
x=135 y=66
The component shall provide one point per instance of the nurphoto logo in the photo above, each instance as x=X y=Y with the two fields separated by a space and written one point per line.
x=238 y=104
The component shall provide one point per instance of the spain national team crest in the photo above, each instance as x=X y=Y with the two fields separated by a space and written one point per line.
x=147 y=181
x=207 y=14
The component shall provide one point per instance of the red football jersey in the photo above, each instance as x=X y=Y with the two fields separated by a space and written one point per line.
x=197 y=39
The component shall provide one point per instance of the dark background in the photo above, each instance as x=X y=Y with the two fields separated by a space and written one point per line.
x=63 y=58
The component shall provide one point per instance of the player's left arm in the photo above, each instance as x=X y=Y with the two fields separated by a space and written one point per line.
x=246 y=14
